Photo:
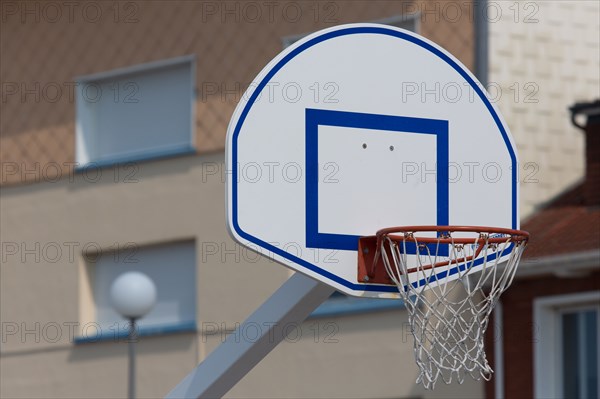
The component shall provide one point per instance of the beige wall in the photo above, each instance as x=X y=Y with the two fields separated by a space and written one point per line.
x=550 y=50
x=96 y=369
x=372 y=358
x=157 y=209
x=154 y=209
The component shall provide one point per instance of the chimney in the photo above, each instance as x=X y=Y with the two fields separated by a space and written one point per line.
x=590 y=113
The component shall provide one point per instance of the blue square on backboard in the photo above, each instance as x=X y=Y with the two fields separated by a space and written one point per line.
x=400 y=124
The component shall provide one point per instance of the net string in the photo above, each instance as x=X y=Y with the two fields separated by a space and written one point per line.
x=448 y=318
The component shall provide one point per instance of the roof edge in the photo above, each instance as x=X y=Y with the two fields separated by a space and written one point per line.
x=575 y=264
x=553 y=201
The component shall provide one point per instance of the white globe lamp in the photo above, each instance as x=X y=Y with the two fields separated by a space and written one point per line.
x=133 y=295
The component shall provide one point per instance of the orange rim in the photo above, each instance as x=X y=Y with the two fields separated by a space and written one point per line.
x=516 y=236
x=401 y=233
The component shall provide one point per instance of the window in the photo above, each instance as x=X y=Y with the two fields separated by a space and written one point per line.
x=134 y=113
x=409 y=22
x=172 y=267
x=579 y=350
x=566 y=346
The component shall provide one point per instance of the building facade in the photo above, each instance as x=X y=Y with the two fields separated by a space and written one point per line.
x=113 y=127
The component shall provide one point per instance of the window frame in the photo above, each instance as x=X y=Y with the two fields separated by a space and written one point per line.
x=83 y=116
x=547 y=348
x=88 y=306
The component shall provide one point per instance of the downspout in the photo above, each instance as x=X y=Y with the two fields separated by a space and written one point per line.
x=481 y=32
x=498 y=352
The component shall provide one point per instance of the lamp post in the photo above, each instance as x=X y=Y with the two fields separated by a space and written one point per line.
x=133 y=294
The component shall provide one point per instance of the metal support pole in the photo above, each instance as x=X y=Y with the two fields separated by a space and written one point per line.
x=480 y=11
x=231 y=361
x=131 y=344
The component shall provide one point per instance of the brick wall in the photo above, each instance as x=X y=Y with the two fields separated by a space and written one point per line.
x=520 y=331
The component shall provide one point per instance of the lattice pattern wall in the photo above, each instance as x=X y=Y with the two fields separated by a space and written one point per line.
x=44 y=46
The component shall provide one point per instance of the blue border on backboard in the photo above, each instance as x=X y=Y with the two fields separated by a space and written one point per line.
x=399 y=124
x=289 y=56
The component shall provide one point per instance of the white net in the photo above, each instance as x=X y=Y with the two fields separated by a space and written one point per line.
x=449 y=305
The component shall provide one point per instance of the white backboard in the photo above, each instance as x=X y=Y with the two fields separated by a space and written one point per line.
x=356 y=128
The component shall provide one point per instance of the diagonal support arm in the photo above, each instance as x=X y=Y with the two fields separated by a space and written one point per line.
x=231 y=361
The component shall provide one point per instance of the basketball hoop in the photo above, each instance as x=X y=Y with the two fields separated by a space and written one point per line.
x=450 y=278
